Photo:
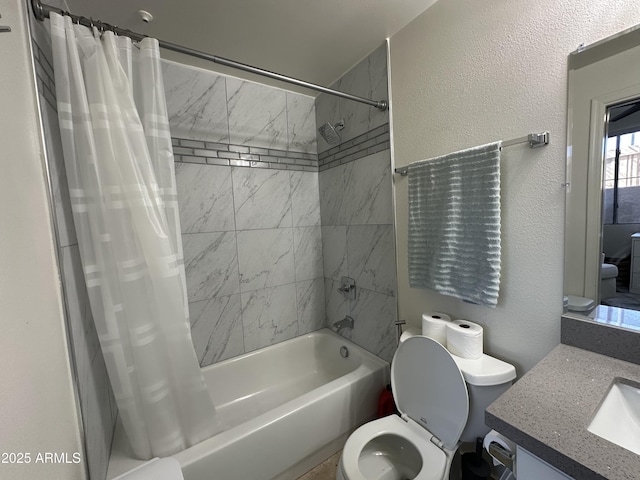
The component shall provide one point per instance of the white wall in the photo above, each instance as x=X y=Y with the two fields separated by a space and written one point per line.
x=37 y=404
x=466 y=73
x=616 y=239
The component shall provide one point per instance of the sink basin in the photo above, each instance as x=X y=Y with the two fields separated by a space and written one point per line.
x=618 y=417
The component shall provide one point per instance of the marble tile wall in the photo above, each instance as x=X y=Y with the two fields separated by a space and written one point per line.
x=97 y=404
x=358 y=242
x=356 y=209
x=251 y=236
x=206 y=106
x=366 y=79
x=253 y=256
x=368 y=143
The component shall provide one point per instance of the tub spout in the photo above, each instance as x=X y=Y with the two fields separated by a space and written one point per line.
x=346 y=322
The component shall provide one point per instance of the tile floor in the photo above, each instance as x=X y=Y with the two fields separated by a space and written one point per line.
x=325 y=471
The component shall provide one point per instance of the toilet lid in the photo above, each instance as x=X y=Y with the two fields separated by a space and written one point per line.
x=579 y=304
x=429 y=388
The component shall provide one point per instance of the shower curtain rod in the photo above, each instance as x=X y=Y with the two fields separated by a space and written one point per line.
x=42 y=11
x=534 y=140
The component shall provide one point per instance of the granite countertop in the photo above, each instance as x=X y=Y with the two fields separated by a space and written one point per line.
x=548 y=410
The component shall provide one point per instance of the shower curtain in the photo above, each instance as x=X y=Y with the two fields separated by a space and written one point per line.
x=119 y=163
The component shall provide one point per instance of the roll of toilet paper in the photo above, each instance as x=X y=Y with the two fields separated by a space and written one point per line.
x=408 y=333
x=464 y=339
x=434 y=325
x=504 y=442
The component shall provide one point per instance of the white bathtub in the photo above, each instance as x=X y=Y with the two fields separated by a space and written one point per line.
x=284 y=409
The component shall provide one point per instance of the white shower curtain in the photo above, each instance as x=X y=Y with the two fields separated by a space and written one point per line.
x=119 y=164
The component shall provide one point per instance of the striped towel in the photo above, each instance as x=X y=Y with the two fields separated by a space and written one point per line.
x=454 y=224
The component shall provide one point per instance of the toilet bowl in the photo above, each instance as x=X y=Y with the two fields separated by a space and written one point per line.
x=608 y=275
x=441 y=399
x=391 y=448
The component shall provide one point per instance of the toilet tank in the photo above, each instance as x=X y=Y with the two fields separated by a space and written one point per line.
x=487 y=378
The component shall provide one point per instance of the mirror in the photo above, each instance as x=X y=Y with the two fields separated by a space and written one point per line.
x=604 y=87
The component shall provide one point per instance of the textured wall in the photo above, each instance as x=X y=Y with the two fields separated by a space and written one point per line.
x=616 y=239
x=38 y=410
x=466 y=73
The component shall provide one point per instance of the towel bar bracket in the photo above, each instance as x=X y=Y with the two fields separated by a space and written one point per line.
x=4 y=28
x=538 y=139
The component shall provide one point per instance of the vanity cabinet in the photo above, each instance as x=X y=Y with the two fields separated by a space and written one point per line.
x=530 y=467
x=634 y=284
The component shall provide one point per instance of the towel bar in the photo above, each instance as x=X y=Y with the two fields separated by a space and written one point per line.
x=534 y=140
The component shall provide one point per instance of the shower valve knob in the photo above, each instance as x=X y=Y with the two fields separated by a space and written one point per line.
x=347 y=288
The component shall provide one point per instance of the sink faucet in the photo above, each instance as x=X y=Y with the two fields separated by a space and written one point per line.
x=346 y=322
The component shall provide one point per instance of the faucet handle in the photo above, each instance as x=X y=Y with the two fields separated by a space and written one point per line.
x=347 y=288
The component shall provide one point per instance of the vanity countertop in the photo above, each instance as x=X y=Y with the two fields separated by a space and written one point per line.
x=548 y=410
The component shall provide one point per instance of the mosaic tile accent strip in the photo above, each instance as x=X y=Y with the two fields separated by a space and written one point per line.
x=194 y=151
x=44 y=74
x=368 y=143
x=211 y=153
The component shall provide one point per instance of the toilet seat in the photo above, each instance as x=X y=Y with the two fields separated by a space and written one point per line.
x=432 y=397
x=429 y=388
x=434 y=459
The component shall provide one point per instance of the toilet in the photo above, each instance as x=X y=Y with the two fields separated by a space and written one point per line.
x=608 y=277
x=441 y=399
x=608 y=274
